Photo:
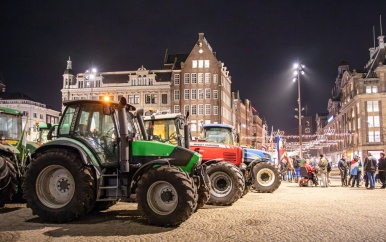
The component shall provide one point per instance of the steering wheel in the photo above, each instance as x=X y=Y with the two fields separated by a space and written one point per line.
x=173 y=137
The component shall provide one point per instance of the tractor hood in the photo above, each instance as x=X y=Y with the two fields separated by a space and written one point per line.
x=210 y=151
x=253 y=154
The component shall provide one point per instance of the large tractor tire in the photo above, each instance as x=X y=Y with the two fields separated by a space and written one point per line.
x=8 y=180
x=227 y=182
x=58 y=187
x=166 y=196
x=203 y=193
x=266 y=177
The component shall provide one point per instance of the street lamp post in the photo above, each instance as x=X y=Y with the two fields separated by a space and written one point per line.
x=90 y=79
x=299 y=70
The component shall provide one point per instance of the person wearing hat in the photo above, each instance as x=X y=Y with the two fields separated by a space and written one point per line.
x=382 y=170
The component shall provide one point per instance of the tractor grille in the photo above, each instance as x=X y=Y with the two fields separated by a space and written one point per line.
x=229 y=156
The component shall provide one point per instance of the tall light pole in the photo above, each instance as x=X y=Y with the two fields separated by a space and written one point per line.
x=299 y=70
x=90 y=79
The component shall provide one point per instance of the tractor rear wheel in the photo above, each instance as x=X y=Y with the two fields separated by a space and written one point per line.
x=166 y=196
x=8 y=180
x=58 y=187
x=227 y=182
x=266 y=177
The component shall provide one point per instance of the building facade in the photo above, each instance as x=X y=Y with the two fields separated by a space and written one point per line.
x=195 y=82
x=356 y=120
x=38 y=113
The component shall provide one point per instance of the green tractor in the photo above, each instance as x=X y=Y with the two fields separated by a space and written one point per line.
x=96 y=160
x=14 y=154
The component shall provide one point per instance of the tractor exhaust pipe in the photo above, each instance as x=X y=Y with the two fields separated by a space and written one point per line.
x=139 y=117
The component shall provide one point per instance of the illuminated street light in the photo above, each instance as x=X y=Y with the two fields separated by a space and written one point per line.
x=299 y=71
x=90 y=79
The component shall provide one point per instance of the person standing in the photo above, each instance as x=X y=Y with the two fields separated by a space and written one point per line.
x=382 y=170
x=370 y=166
x=323 y=170
x=297 y=162
x=353 y=170
x=343 y=168
x=359 y=174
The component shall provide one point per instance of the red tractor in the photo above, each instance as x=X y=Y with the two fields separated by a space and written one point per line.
x=230 y=169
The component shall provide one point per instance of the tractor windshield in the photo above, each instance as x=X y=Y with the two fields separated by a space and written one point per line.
x=164 y=130
x=218 y=135
x=10 y=126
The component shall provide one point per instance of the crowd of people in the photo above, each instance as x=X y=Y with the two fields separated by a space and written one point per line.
x=352 y=172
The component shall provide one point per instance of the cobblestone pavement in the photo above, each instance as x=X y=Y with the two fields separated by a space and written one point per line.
x=292 y=213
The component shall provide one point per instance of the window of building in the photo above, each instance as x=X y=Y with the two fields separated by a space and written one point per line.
x=206 y=64
x=131 y=99
x=207 y=78
x=200 y=109
x=97 y=83
x=150 y=98
x=35 y=115
x=215 y=78
x=207 y=93
x=176 y=94
x=215 y=94
x=200 y=78
x=186 y=94
x=194 y=78
x=373 y=121
x=215 y=110
x=176 y=79
x=176 y=108
x=41 y=116
x=372 y=106
x=194 y=64
x=164 y=98
x=194 y=109
x=136 y=99
x=200 y=94
x=187 y=78
x=194 y=94
x=374 y=136
x=200 y=63
x=80 y=84
x=371 y=89
x=207 y=109
x=186 y=109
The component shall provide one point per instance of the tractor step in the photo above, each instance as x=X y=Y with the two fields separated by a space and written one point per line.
x=109 y=187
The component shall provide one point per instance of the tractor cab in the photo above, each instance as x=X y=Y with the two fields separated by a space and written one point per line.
x=167 y=128
x=10 y=125
x=95 y=124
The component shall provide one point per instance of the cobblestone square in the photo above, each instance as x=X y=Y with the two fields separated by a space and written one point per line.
x=292 y=213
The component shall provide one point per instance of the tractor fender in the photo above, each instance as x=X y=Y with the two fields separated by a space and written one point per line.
x=213 y=161
x=253 y=163
x=88 y=158
x=144 y=168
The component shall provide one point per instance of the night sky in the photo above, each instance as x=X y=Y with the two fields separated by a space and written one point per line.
x=259 y=41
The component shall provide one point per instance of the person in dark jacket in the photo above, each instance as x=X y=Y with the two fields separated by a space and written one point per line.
x=370 y=167
x=343 y=168
x=382 y=170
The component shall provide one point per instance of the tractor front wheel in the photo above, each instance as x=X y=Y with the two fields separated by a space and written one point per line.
x=58 y=187
x=166 y=196
x=227 y=182
x=266 y=177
